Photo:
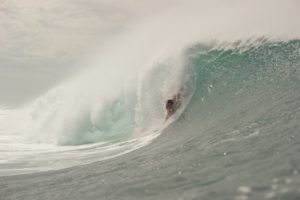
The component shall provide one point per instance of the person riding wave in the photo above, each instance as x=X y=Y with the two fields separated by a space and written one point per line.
x=172 y=105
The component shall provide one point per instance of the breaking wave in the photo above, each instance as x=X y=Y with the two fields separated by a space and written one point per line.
x=218 y=81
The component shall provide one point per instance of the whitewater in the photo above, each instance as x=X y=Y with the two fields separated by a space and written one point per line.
x=102 y=134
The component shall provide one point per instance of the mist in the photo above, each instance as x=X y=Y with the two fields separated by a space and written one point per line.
x=45 y=43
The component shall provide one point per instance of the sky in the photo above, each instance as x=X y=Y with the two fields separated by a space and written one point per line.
x=42 y=42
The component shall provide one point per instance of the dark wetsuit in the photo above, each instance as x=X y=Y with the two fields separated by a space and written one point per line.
x=172 y=105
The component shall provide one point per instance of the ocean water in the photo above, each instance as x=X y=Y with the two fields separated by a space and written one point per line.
x=235 y=137
x=103 y=134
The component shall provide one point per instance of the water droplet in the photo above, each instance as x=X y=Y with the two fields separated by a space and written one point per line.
x=275 y=180
x=288 y=181
x=244 y=189
x=270 y=195
x=274 y=187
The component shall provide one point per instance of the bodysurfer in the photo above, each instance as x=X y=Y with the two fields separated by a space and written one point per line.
x=172 y=105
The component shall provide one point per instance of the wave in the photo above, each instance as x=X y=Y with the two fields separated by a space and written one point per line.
x=217 y=81
x=60 y=118
x=75 y=125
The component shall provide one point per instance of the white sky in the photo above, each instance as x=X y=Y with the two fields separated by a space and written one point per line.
x=43 y=41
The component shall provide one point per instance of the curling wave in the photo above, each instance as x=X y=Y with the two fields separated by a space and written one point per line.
x=218 y=82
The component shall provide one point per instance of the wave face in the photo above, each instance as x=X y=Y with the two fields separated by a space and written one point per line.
x=258 y=77
x=241 y=109
x=238 y=138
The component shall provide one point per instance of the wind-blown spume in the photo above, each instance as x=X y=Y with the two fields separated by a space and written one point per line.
x=84 y=97
x=74 y=116
x=120 y=97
